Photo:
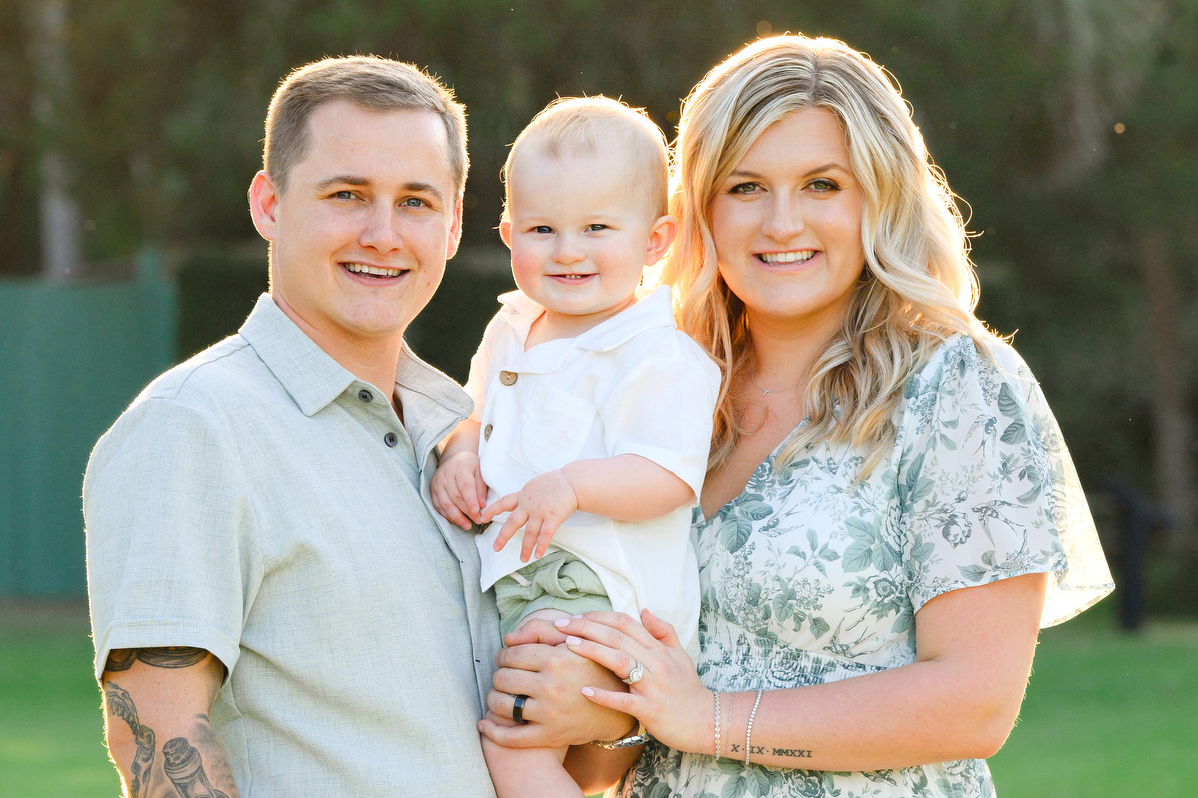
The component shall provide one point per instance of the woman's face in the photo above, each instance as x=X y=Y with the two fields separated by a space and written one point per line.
x=787 y=224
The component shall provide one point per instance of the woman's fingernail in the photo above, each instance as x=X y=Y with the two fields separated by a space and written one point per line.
x=576 y=617
x=561 y=622
x=573 y=641
x=589 y=692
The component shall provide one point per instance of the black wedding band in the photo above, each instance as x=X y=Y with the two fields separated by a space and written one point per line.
x=518 y=709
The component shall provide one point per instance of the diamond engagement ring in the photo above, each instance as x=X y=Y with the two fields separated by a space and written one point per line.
x=635 y=674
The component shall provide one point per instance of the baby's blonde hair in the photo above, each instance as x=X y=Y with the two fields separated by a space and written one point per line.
x=918 y=285
x=583 y=125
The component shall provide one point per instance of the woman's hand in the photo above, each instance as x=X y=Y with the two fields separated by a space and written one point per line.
x=669 y=698
x=552 y=677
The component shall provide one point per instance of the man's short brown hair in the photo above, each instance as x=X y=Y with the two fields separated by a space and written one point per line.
x=378 y=84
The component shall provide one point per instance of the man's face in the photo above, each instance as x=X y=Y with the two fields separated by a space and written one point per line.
x=360 y=236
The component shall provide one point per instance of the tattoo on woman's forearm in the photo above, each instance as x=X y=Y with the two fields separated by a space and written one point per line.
x=169 y=657
x=795 y=753
x=761 y=750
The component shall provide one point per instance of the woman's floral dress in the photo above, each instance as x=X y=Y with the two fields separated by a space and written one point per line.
x=808 y=577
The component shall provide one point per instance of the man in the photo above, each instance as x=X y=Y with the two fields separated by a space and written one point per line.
x=258 y=531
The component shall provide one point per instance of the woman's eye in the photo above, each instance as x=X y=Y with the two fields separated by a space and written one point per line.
x=745 y=188
x=823 y=184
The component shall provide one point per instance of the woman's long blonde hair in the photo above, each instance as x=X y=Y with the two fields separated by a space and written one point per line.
x=918 y=285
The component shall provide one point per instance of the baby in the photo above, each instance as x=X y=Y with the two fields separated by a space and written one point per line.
x=592 y=412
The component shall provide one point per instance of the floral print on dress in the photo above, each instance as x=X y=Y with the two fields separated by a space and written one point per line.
x=813 y=575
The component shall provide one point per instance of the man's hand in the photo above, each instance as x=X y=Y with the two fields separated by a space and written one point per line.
x=458 y=490
x=552 y=677
x=541 y=506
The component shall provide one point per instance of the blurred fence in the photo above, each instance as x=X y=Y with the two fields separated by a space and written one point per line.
x=73 y=356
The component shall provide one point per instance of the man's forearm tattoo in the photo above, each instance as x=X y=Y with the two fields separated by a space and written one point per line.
x=761 y=750
x=185 y=768
x=120 y=703
x=122 y=659
x=181 y=761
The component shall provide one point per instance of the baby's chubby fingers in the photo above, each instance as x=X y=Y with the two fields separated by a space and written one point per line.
x=510 y=527
x=549 y=528
x=532 y=533
x=450 y=510
x=504 y=504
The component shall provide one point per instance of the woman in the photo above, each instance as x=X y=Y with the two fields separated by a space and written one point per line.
x=890 y=514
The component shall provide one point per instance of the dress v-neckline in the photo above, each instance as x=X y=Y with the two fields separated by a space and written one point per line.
x=704 y=522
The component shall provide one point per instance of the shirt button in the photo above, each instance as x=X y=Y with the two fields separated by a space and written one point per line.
x=487 y=432
x=366 y=396
x=507 y=377
x=391 y=439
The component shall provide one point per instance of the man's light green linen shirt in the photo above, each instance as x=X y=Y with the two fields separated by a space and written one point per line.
x=262 y=503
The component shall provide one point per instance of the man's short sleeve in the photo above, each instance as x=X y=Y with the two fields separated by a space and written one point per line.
x=170 y=549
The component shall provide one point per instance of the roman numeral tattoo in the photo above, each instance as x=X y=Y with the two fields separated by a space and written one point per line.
x=761 y=750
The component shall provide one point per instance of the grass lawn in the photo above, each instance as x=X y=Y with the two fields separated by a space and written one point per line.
x=51 y=731
x=1106 y=714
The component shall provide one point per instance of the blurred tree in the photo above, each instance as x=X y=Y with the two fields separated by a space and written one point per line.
x=1068 y=127
x=18 y=185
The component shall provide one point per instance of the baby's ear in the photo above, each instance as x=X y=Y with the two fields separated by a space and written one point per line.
x=661 y=235
x=505 y=232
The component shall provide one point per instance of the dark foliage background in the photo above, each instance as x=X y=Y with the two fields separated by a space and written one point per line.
x=1069 y=130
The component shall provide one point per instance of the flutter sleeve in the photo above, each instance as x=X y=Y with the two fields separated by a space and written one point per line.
x=988 y=489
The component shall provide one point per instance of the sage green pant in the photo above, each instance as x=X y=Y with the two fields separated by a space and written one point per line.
x=559 y=581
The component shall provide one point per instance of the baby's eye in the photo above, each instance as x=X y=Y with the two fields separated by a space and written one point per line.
x=594 y=227
x=542 y=229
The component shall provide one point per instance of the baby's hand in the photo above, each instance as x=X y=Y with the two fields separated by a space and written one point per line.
x=458 y=490
x=540 y=507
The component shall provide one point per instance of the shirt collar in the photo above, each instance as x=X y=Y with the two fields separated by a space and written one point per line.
x=314 y=379
x=653 y=310
x=305 y=370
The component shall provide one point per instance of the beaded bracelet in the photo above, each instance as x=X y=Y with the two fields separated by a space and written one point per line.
x=718 y=750
x=730 y=697
x=749 y=730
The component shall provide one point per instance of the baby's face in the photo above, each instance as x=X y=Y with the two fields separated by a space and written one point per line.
x=581 y=230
